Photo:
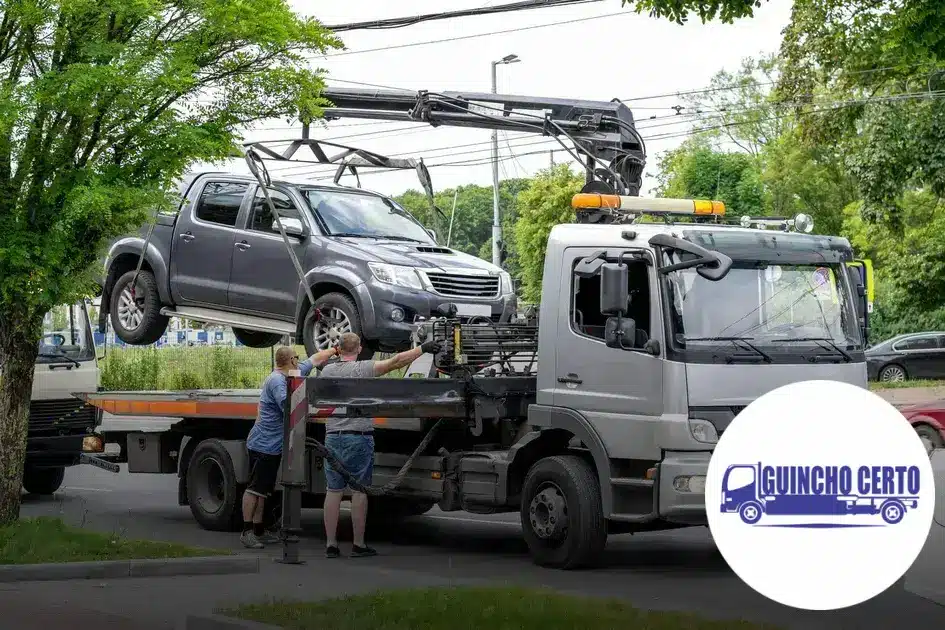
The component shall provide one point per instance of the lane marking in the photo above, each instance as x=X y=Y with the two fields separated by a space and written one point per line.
x=81 y=489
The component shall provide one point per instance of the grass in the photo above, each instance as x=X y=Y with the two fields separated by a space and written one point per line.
x=907 y=384
x=473 y=608
x=44 y=539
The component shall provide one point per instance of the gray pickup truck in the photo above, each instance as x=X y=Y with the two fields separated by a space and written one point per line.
x=372 y=267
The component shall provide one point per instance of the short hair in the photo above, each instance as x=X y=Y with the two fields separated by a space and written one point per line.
x=284 y=356
x=349 y=343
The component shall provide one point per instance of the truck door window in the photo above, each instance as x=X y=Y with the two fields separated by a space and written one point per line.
x=220 y=202
x=261 y=218
x=586 y=318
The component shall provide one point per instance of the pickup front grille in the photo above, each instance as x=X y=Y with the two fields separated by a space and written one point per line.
x=51 y=416
x=461 y=285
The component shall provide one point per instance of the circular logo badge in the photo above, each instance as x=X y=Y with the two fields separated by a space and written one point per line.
x=820 y=495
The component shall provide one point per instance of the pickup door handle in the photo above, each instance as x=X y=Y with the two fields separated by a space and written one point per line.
x=187 y=236
x=243 y=246
x=570 y=378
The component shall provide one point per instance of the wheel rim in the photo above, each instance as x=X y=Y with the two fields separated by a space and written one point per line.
x=893 y=375
x=893 y=512
x=330 y=327
x=751 y=513
x=130 y=309
x=210 y=487
x=548 y=513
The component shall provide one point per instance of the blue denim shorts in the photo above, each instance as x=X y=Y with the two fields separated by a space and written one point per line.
x=356 y=453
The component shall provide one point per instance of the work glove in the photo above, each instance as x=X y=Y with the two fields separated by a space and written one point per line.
x=431 y=346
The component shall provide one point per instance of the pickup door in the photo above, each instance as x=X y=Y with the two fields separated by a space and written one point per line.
x=263 y=279
x=202 y=251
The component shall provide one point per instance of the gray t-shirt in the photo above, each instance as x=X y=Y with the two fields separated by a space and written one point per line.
x=349 y=369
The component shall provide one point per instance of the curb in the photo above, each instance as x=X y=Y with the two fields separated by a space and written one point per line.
x=222 y=622
x=160 y=567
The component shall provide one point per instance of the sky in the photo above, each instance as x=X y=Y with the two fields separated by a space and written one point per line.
x=597 y=51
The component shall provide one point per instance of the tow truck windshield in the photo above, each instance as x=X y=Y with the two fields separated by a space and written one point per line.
x=67 y=336
x=362 y=215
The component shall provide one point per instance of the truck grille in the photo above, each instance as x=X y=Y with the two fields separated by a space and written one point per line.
x=52 y=415
x=461 y=285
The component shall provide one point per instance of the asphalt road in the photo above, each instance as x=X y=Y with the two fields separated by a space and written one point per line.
x=679 y=570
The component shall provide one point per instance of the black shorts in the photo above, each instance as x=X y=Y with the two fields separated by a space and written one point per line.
x=263 y=471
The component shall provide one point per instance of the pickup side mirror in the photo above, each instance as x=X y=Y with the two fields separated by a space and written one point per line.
x=614 y=289
x=620 y=332
x=711 y=265
x=293 y=227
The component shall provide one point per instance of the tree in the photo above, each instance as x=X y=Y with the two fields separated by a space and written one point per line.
x=103 y=103
x=678 y=10
x=545 y=203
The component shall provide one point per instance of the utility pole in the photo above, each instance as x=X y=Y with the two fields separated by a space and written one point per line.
x=496 y=223
x=551 y=155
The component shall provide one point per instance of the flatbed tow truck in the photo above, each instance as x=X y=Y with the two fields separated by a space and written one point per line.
x=658 y=323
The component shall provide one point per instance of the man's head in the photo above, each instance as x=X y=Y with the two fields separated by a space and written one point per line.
x=287 y=359
x=349 y=346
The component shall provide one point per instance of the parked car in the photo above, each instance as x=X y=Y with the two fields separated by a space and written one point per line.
x=910 y=356
x=373 y=268
x=928 y=420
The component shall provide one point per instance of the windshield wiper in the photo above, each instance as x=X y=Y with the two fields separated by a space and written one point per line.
x=820 y=341
x=353 y=235
x=376 y=236
x=53 y=355
x=401 y=238
x=744 y=340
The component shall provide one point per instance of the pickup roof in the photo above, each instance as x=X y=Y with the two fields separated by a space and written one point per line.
x=372 y=267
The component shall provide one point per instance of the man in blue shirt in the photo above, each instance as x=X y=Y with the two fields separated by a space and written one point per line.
x=265 y=441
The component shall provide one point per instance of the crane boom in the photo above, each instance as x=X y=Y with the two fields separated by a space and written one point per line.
x=603 y=132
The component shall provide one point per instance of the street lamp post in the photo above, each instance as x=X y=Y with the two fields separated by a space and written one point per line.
x=496 y=225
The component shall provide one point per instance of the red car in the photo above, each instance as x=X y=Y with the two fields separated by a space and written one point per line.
x=928 y=419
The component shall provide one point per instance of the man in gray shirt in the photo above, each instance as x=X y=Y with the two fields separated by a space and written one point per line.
x=352 y=441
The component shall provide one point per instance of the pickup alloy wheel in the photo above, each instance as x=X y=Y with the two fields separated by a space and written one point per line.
x=333 y=315
x=136 y=311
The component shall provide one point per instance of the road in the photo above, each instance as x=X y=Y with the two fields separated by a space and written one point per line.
x=680 y=570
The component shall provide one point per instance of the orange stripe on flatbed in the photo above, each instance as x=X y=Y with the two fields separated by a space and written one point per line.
x=178 y=408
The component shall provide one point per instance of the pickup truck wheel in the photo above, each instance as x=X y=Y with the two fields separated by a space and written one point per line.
x=562 y=515
x=136 y=315
x=339 y=315
x=256 y=338
x=212 y=491
x=43 y=480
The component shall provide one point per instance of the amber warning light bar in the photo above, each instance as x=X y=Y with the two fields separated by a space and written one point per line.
x=644 y=205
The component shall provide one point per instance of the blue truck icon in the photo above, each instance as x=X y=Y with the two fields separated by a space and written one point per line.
x=754 y=490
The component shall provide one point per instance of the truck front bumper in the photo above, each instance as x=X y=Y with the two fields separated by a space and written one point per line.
x=55 y=451
x=681 y=497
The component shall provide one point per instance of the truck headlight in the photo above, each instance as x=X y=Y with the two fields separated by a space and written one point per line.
x=703 y=431
x=396 y=275
x=506 y=279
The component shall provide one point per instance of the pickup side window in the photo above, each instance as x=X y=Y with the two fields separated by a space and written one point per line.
x=220 y=202
x=586 y=318
x=261 y=219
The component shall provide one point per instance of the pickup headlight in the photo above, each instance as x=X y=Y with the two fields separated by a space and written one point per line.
x=396 y=275
x=703 y=431
x=506 y=280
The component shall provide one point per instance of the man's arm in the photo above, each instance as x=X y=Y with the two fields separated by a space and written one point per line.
x=404 y=358
x=320 y=358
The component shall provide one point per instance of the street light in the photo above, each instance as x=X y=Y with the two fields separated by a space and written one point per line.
x=496 y=226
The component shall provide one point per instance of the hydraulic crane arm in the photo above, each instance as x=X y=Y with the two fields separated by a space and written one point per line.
x=603 y=133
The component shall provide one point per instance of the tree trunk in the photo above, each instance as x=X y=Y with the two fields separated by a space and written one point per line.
x=18 y=349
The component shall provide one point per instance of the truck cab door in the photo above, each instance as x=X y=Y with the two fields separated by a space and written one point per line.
x=617 y=390
x=202 y=250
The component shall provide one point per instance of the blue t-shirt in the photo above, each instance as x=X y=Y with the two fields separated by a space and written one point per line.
x=266 y=434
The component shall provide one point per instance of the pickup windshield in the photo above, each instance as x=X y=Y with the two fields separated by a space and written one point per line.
x=770 y=305
x=365 y=215
x=67 y=335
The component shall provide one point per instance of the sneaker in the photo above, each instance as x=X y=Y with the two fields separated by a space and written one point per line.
x=250 y=541
x=361 y=552
x=268 y=539
x=332 y=552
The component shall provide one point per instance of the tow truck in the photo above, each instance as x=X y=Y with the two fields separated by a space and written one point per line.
x=659 y=322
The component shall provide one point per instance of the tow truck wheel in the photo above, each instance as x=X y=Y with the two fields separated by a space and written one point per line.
x=892 y=511
x=750 y=512
x=136 y=314
x=212 y=491
x=43 y=480
x=562 y=515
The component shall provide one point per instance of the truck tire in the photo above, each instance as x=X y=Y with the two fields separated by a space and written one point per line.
x=43 y=481
x=256 y=338
x=137 y=321
x=344 y=311
x=215 y=498
x=562 y=514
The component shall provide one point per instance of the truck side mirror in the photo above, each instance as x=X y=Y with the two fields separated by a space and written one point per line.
x=432 y=234
x=620 y=332
x=614 y=289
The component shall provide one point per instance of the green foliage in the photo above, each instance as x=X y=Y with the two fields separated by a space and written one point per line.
x=545 y=203
x=678 y=10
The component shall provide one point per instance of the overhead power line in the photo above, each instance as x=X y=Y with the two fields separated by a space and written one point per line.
x=401 y=22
